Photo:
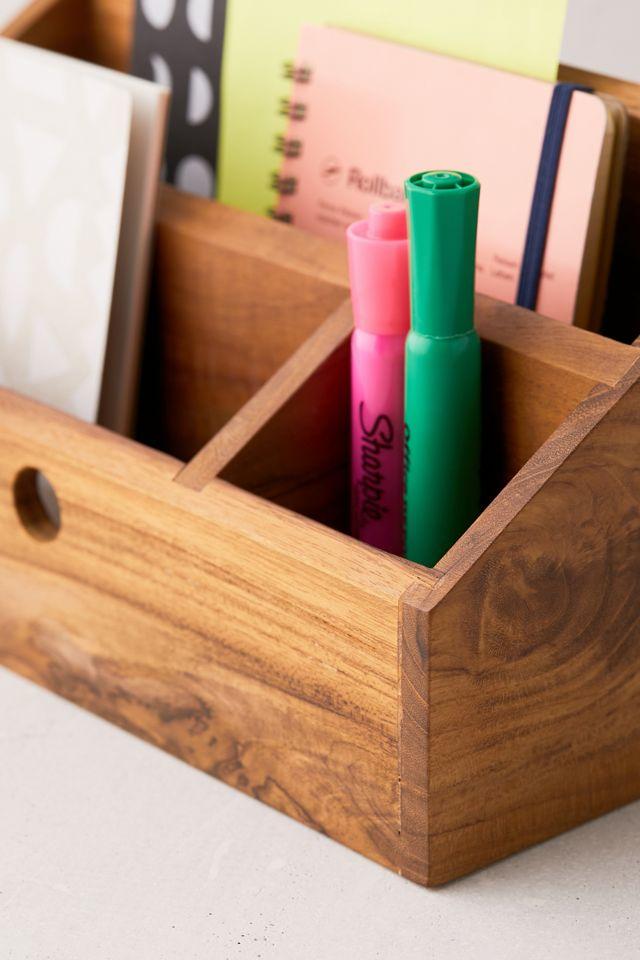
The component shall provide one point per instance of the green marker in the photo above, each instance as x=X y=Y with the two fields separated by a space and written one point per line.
x=442 y=393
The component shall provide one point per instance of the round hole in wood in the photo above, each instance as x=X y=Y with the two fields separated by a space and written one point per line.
x=37 y=504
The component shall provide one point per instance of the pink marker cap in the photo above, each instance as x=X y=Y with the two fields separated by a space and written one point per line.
x=379 y=270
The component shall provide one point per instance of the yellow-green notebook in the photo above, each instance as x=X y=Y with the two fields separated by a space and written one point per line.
x=260 y=38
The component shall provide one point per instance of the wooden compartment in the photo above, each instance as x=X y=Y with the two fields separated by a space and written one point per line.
x=206 y=597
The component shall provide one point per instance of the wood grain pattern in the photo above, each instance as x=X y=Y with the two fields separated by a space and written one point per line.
x=218 y=270
x=300 y=458
x=290 y=442
x=233 y=438
x=536 y=371
x=256 y=645
x=234 y=296
x=529 y=644
x=522 y=352
x=414 y=764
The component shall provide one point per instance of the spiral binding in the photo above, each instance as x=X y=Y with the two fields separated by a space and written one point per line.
x=292 y=109
x=289 y=146
x=297 y=74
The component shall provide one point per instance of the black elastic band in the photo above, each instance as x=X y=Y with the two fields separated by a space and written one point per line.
x=531 y=269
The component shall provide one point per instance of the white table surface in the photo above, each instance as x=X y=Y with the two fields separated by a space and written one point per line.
x=111 y=849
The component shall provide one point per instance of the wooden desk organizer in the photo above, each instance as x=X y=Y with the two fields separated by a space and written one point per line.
x=433 y=720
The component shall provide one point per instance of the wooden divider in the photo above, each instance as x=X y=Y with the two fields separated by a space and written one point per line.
x=289 y=443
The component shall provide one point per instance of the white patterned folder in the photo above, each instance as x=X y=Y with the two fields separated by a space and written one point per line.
x=64 y=144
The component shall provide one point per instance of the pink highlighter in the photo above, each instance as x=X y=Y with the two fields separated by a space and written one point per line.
x=379 y=275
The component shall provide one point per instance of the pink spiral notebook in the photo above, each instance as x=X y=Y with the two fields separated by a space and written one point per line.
x=368 y=113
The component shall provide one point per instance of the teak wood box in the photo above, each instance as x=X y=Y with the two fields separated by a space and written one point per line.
x=433 y=720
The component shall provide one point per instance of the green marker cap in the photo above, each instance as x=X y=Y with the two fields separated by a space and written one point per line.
x=443 y=221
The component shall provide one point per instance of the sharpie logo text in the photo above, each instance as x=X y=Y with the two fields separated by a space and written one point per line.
x=376 y=438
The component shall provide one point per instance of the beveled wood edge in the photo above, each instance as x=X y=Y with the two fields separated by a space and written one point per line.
x=413 y=737
x=564 y=347
x=40 y=426
x=94 y=450
x=256 y=413
x=248 y=234
x=534 y=474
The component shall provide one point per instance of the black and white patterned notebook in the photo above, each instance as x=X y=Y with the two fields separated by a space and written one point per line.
x=179 y=43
